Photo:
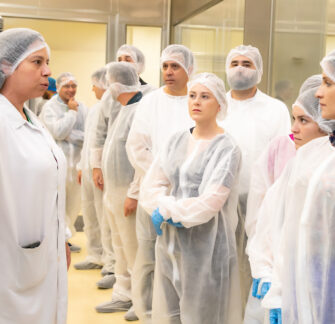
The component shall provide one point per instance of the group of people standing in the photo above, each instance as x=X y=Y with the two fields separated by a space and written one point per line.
x=200 y=206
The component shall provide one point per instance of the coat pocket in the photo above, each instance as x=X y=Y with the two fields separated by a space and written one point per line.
x=32 y=266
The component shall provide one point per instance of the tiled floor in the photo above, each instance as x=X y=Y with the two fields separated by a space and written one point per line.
x=83 y=294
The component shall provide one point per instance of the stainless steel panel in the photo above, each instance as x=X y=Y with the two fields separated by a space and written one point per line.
x=258 y=30
x=183 y=9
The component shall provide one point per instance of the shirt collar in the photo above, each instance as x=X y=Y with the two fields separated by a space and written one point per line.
x=9 y=110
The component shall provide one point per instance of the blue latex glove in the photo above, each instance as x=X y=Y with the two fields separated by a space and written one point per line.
x=255 y=283
x=179 y=224
x=275 y=316
x=264 y=289
x=157 y=219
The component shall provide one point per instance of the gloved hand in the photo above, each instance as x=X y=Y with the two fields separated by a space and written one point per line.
x=264 y=289
x=179 y=224
x=157 y=219
x=275 y=316
x=255 y=283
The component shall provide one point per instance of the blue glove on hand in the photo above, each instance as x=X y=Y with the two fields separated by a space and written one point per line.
x=275 y=316
x=255 y=283
x=179 y=224
x=157 y=219
x=264 y=289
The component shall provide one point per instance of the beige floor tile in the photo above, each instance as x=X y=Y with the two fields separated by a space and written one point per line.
x=83 y=294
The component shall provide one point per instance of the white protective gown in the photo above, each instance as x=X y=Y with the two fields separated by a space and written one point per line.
x=266 y=170
x=121 y=182
x=282 y=293
x=253 y=123
x=316 y=257
x=158 y=116
x=196 y=274
x=109 y=110
x=91 y=196
x=32 y=209
x=67 y=128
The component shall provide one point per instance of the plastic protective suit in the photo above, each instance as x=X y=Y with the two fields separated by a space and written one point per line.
x=266 y=170
x=316 y=259
x=91 y=196
x=264 y=237
x=121 y=182
x=196 y=275
x=67 y=128
x=282 y=293
x=32 y=204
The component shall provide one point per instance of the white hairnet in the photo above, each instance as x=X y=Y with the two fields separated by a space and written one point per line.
x=251 y=53
x=99 y=78
x=181 y=55
x=16 y=44
x=122 y=77
x=328 y=65
x=136 y=55
x=64 y=79
x=311 y=105
x=216 y=86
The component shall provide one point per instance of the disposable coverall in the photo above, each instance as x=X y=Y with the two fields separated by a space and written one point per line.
x=282 y=293
x=196 y=275
x=67 y=128
x=253 y=123
x=158 y=116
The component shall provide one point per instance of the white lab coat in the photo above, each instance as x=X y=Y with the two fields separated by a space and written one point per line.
x=32 y=208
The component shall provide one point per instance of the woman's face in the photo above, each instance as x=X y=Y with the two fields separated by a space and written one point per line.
x=98 y=91
x=304 y=128
x=202 y=105
x=326 y=94
x=30 y=79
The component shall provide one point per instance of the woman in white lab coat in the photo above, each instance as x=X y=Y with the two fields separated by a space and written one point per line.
x=33 y=275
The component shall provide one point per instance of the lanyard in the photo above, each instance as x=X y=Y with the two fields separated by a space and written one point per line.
x=28 y=119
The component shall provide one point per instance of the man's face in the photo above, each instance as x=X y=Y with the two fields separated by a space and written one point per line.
x=125 y=58
x=174 y=76
x=242 y=61
x=68 y=91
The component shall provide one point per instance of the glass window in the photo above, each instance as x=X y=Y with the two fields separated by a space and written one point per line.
x=148 y=40
x=212 y=33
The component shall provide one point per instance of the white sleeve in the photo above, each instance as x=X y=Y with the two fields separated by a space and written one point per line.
x=194 y=210
x=134 y=187
x=60 y=128
x=259 y=184
x=139 y=144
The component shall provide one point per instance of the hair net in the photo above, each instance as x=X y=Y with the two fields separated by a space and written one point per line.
x=136 y=55
x=65 y=78
x=181 y=55
x=122 y=77
x=328 y=65
x=251 y=53
x=16 y=44
x=216 y=86
x=310 y=104
x=99 y=78
x=52 y=84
